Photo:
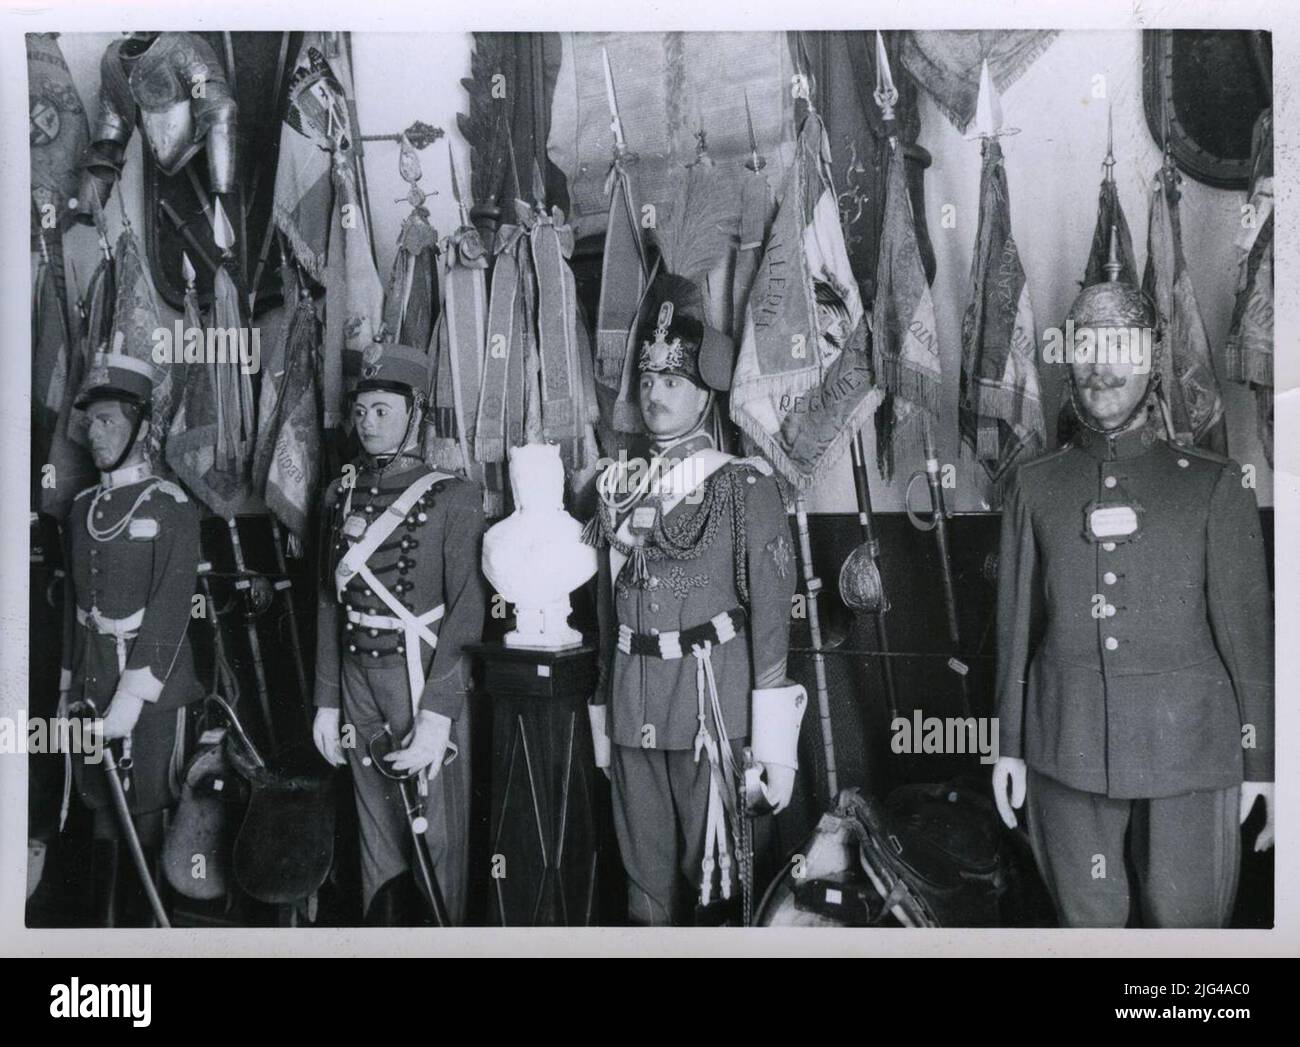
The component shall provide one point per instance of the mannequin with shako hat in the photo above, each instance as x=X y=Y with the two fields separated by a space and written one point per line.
x=133 y=556
x=400 y=597
x=696 y=579
x=1135 y=646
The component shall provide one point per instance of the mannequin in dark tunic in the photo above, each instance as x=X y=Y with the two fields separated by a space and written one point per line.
x=133 y=554
x=375 y=667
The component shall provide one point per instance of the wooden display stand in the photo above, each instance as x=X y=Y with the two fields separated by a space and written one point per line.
x=544 y=844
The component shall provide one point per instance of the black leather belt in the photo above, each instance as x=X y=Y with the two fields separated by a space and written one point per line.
x=679 y=643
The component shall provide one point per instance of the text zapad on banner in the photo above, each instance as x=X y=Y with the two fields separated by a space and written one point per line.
x=803 y=384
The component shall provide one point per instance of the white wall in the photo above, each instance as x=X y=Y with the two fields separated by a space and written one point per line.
x=1053 y=169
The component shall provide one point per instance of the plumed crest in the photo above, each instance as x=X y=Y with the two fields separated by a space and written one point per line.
x=702 y=223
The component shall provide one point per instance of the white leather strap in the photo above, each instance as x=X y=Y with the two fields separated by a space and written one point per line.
x=415 y=629
x=378 y=530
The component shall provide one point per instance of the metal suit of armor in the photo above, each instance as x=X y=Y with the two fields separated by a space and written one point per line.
x=176 y=88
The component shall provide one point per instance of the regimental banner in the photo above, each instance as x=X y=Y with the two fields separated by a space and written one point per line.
x=802 y=385
x=670 y=86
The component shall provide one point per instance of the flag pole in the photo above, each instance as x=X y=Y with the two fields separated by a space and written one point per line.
x=813 y=586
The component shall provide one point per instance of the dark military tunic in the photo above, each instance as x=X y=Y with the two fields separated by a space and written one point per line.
x=431 y=558
x=682 y=593
x=660 y=789
x=1130 y=667
x=139 y=573
x=1135 y=674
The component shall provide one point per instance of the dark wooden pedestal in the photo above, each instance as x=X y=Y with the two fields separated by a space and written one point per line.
x=544 y=846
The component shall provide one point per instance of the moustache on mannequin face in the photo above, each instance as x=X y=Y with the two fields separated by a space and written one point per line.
x=1098 y=381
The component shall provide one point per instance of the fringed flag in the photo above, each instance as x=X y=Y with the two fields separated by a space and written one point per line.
x=755 y=214
x=58 y=138
x=411 y=302
x=210 y=439
x=1110 y=216
x=319 y=208
x=1190 y=388
x=315 y=123
x=905 y=338
x=1000 y=409
x=1249 y=352
x=354 y=294
x=136 y=321
x=565 y=395
x=69 y=455
x=802 y=385
x=623 y=283
x=52 y=349
x=286 y=465
x=461 y=340
x=501 y=402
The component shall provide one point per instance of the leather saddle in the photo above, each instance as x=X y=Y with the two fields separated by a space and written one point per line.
x=285 y=845
x=931 y=855
x=197 y=852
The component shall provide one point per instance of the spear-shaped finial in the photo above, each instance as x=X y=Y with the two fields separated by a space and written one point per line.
x=187 y=271
x=1109 y=162
x=455 y=188
x=1113 y=266
x=223 y=234
x=988 y=110
x=755 y=162
x=615 y=122
x=539 y=185
x=886 y=94
x=514 y=164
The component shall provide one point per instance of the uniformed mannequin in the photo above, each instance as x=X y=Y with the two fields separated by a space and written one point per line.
x=695 y=588
x=376 y=667
x=133 y=556
x=1135 y=654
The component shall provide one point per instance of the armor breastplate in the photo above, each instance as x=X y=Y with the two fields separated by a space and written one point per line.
x=158 y=87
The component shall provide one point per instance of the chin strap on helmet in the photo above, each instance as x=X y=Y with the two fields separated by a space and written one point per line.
x=141 y=413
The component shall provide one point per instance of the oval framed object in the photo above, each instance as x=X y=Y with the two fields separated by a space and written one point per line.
x=1205 y=89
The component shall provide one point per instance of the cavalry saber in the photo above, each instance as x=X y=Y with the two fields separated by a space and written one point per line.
x=285 y=585
x=938 y=523
x=127 y=824
x=244 y=584
x=871 y=544
x=132 y=838
x=413 y=808
x=222 y=671
x=813 y=585
x=419 y=826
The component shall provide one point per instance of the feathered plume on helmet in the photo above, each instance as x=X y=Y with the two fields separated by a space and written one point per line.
x=682 y=328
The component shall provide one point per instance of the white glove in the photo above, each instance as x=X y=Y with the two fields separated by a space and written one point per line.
x=1009 y=770
x=599 y=736
x=123 y=711
x=325 y=733
x=428 y=745
x=1250 y=792
x=778 y=785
